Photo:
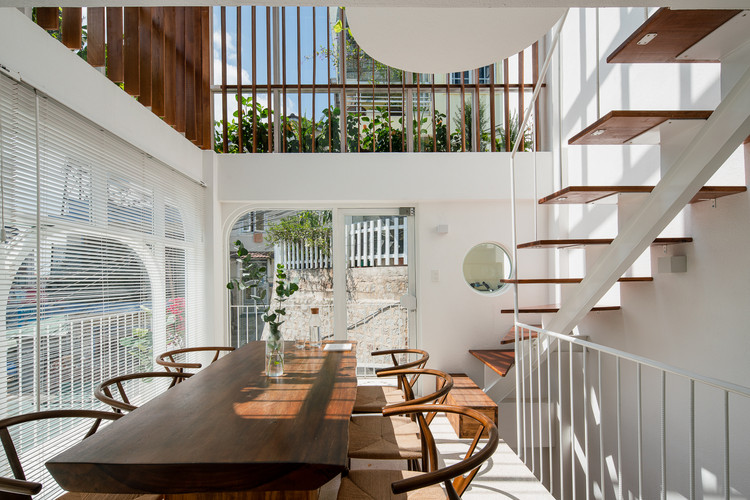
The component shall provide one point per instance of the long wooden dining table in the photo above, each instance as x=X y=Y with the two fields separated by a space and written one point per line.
x=228 y=428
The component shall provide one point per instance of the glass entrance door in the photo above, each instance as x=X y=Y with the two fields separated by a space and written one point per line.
x=375 y=273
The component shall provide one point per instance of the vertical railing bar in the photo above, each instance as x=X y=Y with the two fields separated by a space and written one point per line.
x=463 y=113
x=493 y=146
x=531 y=400
x=587 y=465
x=432 y=106
x=549 y=416
x=539 y=405
x=253 y=35
x=523 y=393
x=727 y=485
x=419 y=114
x=373 y=105
x=342 y=68
x=390 y=132
x=601 y=426
x=619 y=432
x=691 y=441
x=639 y=409
x=506 y=102
x=572 y=424
x=240 y=138
x=521 y=105
x=560 y=417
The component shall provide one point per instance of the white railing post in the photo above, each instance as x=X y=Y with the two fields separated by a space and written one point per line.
x=388 y=242
x=380 y=242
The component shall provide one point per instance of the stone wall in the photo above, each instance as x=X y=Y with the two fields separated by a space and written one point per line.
x=375 y=320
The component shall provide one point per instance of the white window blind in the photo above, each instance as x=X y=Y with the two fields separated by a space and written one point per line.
x=102 y=266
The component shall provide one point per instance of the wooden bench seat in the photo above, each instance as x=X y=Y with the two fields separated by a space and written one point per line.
x=466 y=393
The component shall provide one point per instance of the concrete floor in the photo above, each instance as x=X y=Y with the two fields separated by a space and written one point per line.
x=504 y=476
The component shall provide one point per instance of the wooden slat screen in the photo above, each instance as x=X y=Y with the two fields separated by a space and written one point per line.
x=162 y=55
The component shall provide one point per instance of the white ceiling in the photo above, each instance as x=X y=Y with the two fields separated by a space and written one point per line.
x=440 y=40
x=686 y=4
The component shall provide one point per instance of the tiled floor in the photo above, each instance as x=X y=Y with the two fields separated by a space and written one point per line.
x=504 y=476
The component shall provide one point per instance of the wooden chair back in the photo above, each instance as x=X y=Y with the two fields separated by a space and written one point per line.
x=170 y=360
x=104 y=391
x=420 y=362
x=456 y=477
x=18 y=487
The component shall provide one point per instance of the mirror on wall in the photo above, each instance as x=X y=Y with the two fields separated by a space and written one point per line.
x=484 y=266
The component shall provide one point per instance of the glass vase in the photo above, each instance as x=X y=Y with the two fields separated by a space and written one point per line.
x=275 y=355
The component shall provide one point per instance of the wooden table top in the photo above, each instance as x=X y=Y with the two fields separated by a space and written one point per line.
x=228 y=428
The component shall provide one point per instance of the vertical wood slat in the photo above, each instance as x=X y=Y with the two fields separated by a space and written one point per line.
x=373 y=106
x=48 y=17
x=71 y=27
x=534 y=78
x=253 y=79
x=190 y=132
x=115 y=61
x=299 y=81
x=144 y=33
x=198 y=77
x=463 y=112
x=132 y=52
x=95 y=40
x=224 y=98
x=157 y=61
x=493 y=145
x=521 y=111
x=328 y=67
x=180 y=120
x=269 y=147
x=170 y=65
x=314 y=61
x=359 y=100
x=434 y=124
x=206 y=76
x=419 y=114
x=476 y=125
x=283 y=74
x=506 y=100
x=240 y=137
x=447 y=112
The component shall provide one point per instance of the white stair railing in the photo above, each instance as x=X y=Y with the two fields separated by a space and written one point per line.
x=612 y=456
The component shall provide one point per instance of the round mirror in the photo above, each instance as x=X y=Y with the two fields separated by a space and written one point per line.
x=484 y=266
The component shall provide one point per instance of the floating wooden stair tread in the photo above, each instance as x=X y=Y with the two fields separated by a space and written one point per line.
x=589 y=194
x=620 y=127
x=675 y=30
x=510 y=337
x=553 y=308
x=566 y=281
x=566 y=243
x=499 y=361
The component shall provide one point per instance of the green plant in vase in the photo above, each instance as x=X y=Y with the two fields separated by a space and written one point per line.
x=275 y=340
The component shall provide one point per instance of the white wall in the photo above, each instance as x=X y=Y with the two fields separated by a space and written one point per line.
x=467 y=191
x=28 y=53
x=695 y=320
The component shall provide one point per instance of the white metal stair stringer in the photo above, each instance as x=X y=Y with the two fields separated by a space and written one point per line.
x=717 y=139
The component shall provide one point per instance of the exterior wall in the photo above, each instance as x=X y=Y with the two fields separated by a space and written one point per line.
x=693 y=320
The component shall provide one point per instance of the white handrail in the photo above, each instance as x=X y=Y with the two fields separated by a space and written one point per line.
x=714 y=382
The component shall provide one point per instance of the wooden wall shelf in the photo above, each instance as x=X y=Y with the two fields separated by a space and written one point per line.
x=568 y=243
x=553 y=308
x=588 y=194
x=621 y=127
x=499 y=361
x=676 y=31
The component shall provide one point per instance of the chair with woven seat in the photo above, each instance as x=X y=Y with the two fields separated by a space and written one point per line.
x=375 y=437
x=384 y=484
x=373 y=398
x=104 y=391
x=172 y=360
x=19 y=487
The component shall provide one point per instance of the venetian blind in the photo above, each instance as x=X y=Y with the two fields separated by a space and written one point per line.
x=102 y=266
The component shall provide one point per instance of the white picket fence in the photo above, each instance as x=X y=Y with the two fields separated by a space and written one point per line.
x=381 y=242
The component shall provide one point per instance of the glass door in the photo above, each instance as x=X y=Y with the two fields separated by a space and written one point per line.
x=375 y=276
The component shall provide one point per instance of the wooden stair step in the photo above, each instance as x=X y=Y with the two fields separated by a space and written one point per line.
x=577 y=242
x=589 y=194
x=565 y=281
x=510 y=337
x=676 y=31
x=553 y=308
x=621 y=127
x=498 y=360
